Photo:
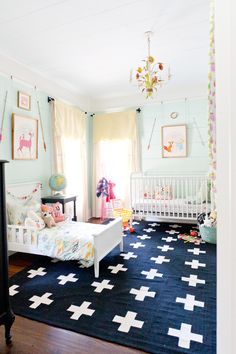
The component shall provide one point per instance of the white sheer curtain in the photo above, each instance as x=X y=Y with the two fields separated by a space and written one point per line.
x=115 y=153
x=69 y=128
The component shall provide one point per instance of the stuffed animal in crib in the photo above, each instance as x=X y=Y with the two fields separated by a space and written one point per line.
x=56 y=212
x=48 y=219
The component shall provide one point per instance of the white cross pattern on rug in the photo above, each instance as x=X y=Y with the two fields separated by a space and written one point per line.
x=185 y=335
x=128 y=321
x=196 y=251
x=169 y=239
x=137 y=244
x=159 y=259
x=117 y=268
x=189 y=302
x=144 y=237
x=172 y=232
x=80 y=310
x=38 y=300
x=165 y=248
x=152 y=274
x=101 y=286
x=195 y=264
x=34 y=272
x=13 y=291
x=193 y=280
x=149 y=230
x=128 y=255
x=142 y=293
x=154 y=224
x=175 y=226
x=65 y=278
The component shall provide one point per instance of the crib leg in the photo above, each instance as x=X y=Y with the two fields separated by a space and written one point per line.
x=121 y=244
x=96 y=269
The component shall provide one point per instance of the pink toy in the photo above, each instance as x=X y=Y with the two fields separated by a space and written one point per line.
x=111 y=194
x=57 y=214
x=46 y=208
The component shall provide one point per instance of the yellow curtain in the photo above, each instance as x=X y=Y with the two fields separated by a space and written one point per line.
x=115 y=153
x=69 y=129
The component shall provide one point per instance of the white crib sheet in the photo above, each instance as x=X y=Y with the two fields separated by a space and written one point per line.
x=172 y=207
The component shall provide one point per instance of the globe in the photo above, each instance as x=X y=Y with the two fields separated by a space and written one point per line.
x=57 y=182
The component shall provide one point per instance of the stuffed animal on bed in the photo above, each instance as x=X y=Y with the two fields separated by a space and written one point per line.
x=34 y=220
x=48 y=219
x=46 y=208
x=56 y=212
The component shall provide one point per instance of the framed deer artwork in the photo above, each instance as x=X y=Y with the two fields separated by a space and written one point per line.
x=174 y=140
x=24 y=138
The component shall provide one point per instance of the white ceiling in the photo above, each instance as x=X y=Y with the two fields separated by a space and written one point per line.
x=89 y=46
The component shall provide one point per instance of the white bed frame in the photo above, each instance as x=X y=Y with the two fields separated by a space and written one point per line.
x=184 y=204
x=24 y=239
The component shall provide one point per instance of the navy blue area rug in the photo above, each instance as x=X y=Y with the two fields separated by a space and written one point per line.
x=159 y=295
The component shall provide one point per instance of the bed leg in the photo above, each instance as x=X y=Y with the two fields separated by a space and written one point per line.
x=96 y=269
x=121 y=244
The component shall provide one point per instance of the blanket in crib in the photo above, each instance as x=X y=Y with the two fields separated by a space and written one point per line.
x=69 y=241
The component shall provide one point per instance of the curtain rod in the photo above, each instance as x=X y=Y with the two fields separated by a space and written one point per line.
x=52 y=99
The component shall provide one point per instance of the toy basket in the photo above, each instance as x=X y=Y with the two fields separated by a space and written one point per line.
x=208 y=234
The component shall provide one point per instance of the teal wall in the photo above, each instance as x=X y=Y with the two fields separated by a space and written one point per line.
x=189 y=110
x=25 y=170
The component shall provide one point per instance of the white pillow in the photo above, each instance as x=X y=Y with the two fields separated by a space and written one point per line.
x=17 y=209
x=34 y=220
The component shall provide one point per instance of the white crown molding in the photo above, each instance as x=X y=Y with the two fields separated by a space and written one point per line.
x=138 y=100
x=23 y=73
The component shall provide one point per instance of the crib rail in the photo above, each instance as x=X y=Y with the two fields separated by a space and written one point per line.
x=171 y=197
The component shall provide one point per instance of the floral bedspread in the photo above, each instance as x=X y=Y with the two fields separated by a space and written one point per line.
x=69 y=241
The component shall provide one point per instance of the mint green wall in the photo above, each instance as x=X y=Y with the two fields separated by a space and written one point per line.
x=190 y=109
x=151 y=160
x=25 y=170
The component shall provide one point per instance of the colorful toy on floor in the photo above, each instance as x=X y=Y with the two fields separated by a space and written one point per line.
x=193 y=233
x=190 y=238
x=126 y=215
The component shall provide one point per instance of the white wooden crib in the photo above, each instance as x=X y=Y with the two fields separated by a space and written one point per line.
x=171 y=197
x=25 y=239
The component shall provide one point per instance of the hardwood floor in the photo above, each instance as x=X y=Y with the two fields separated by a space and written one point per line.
x=32 y=337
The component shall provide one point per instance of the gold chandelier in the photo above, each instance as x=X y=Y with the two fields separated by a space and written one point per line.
x=151 y=73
